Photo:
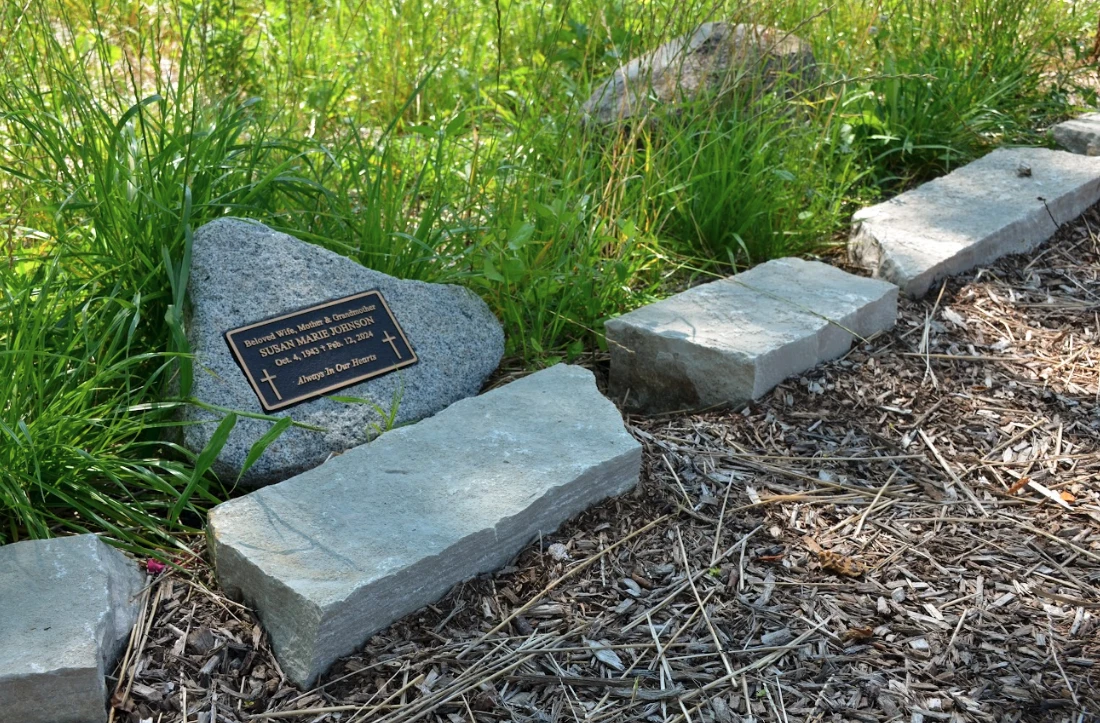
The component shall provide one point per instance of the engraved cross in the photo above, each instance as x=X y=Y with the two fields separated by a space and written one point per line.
x=271 y=380
x=390 y=340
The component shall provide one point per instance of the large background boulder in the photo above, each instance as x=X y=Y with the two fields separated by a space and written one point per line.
x=717 y=58
x=242 y=272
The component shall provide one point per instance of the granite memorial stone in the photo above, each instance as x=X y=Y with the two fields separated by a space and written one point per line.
x=243 y=273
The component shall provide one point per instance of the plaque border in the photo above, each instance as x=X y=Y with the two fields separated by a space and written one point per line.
x=236 y=354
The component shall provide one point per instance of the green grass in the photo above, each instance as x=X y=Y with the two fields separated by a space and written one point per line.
x=430 y=139
x=958 y=79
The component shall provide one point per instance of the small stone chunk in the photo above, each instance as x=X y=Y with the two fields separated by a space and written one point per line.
x=733 y=340
x=973 y=216
x=243 y=272
x=1079 y=135
x=335 y=554
x=67 y=606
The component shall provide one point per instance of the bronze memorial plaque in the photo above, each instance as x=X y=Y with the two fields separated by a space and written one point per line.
x=307 y=353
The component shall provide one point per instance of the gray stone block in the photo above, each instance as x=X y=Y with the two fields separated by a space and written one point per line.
x=1079 y=135
x=732 y=340
x=242 y=272
x=66 y=609
x=1008 y=202
x=337 y=553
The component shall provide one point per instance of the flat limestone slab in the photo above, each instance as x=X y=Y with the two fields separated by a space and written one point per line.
x=1079 y=135
x=732 y=340
x=335 y=554
x=1008 y=202
x=66 y=609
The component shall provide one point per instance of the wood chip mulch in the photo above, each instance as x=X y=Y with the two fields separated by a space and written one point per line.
x=909 y=533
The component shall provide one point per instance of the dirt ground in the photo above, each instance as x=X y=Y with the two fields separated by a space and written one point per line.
x=909 y=533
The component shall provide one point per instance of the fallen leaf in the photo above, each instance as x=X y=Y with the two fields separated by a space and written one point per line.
x=1020 y=484
x=1068 y=497
x=123 y=702
x=834 y=561
x=858 y=634
x=201 y=641
x=841 y=564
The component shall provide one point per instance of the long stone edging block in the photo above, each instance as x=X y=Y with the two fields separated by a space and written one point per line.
x=1079 y=135
x=1008 y=202
x=732 y=340
x=67 y=606
x=335 y=554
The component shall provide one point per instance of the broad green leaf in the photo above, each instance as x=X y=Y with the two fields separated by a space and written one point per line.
x=262 y=444
x=205 y=459
x=514 y=269
x=519 y=234
x=489 y=270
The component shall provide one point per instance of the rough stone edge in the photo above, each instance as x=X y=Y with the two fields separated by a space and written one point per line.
x=86 y=686
x=250 y=576
x=627 y=343
x=384 y=593
x=322 y=650
x=1018 y=237
x=126 y=583
x=835 y=336
x=833 y=340
x=1074 y=135
x=865 y=247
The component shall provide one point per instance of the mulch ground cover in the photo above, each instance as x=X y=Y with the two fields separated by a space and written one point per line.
x=911 y=532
